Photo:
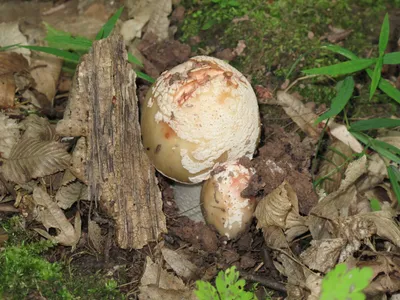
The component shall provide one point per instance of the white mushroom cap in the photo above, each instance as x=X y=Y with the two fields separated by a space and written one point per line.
x=197 y=114
x=222 y=205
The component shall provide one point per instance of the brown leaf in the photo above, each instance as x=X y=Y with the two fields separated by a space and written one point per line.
x=182 y=267
x=9 y=134
x=45 y=70
x=333 y=166
x=10 y=63
x=38 y=128
x=32 y=158
x=67 y=195
x=53 y=217
x=94 y=233
x=323 y=255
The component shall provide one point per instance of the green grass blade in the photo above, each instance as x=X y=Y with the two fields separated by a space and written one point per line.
x=341 y=51
x=387 y=88
x=384 y=149
x=134 y=60
x=387 y=146
x=344 y=91
x=374 y=124
x=394 y=177
x=144 y=76
x=392 y=58
x=342 y=68
x=384 y=36
x=65 y=41
x=68 y=56
x=5 y=48
x=376 y=77
x=109 y=25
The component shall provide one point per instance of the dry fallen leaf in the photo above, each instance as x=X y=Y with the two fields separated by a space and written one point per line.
x=38 y=128
x=13 y=66
x=280 y=208
x=333 y=166
x=67 y=195
x=94 y=233
x=9 y=134
x=45 y=70
x=323 y=255
x=51 y=216
x=32 y=158
x=154 y=13
x=156 y=283
x=182 y=267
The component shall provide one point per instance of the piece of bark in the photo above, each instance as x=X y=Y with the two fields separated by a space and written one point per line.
x=119 y=174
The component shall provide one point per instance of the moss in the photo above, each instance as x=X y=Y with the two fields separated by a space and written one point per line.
x=26 y=273
x=276 y=33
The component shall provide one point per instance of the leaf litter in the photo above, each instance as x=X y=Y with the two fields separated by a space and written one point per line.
x=306 y=230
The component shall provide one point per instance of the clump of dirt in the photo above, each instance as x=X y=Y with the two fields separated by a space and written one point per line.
x=163 y=55
x=283 y=157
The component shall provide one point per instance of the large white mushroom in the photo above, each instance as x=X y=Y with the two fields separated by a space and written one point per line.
x=198 y=114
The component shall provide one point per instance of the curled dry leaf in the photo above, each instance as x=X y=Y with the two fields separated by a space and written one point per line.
x=51 y=216
x=280 y=208
x=156 y=283
x=12 y=65
x=94 y=233
x=9 y=135
x=38 y=128
x=45 y=70
x=275 y=238
x=78 y=161
x=182 y=267
x=376 y=173
x=154 y=13
x=32 y=158
x=333 y=166
x=67 y=195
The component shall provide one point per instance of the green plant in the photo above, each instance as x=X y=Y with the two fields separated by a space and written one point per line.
x=228 y=287
x=345 y=90
x=71 y=48
x=26 y=273
x=343 y=284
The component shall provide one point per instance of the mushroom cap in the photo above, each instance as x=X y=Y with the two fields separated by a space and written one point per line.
x=222 y=205
x=197 y=114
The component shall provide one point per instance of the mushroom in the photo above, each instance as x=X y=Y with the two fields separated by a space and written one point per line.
x=221 y=200
x=199 y=113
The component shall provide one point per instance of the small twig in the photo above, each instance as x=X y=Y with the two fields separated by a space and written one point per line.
x=8 y=208
x=267 y=282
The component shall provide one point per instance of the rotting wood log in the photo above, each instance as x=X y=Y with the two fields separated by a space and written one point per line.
x=120 y=176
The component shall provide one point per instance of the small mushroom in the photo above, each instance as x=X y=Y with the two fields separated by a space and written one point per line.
x=222 y=203
x=198 y=114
